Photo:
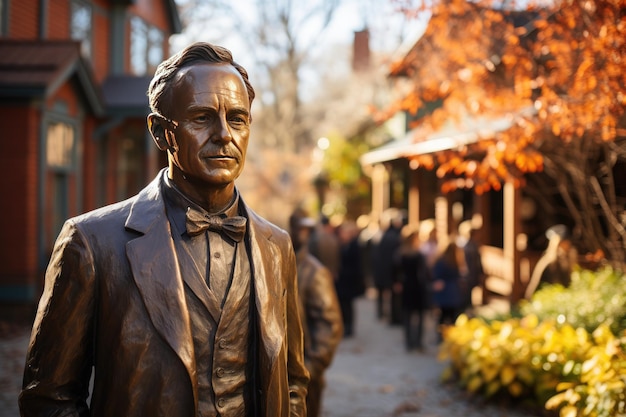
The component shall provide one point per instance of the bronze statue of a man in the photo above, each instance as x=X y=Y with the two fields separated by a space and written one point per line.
x=181 y=300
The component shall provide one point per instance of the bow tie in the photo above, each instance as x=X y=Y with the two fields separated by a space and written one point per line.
x=230 y=227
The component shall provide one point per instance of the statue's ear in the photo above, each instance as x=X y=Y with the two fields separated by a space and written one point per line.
x=162 y=131
x=157 y=128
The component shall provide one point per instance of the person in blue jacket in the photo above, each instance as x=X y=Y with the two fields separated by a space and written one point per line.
x=447 y=285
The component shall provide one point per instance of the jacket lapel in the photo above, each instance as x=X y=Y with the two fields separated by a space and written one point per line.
x=268 y=286
x=155 y=269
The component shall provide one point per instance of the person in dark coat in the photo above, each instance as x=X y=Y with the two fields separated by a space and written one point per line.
x=475 y=274
x=351 y=281
x=447 y=285
x=415 y=289
x=384 y=268
x=324 y=245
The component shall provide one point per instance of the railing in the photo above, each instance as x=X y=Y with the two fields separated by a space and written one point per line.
x=498 y=276
x=499 y=279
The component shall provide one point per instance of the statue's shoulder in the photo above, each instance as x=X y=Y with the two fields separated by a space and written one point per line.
x=262 y=226
x=142 y=203
x=108 y=215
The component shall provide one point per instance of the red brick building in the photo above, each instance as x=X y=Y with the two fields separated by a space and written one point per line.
x=73 y=106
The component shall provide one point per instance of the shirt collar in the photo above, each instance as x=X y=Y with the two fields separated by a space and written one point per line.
x=178 y=203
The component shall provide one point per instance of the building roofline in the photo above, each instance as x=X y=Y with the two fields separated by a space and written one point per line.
x=418 y=142
x=38 y=68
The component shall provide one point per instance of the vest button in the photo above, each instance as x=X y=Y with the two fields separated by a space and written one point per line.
x=222 y=344
x=220 y=373
x=221 y=403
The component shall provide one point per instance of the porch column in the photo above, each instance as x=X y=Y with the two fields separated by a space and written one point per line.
x=512 y=227
x=380 y=190
x=442 y=221
x=414 y=197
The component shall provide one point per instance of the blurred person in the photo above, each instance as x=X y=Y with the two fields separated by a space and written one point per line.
x=384 y=268
x=180 y=301
x=319 y=310
x=415 y=289
x=373 y=261
x=429 y=246
x=446 y=273
x=351 y=281
x=324 y=245
x=369 y=236
x=474 y=276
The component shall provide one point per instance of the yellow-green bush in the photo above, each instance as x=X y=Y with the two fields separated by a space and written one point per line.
x=576 y=369
x=600 y=389
x=520 y=358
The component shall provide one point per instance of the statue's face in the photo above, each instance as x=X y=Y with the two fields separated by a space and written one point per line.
x=210 y=104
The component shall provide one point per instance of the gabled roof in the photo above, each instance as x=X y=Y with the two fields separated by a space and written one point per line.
x=37 y=68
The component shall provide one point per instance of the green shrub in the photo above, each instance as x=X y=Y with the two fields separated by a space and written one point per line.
x=593 y=298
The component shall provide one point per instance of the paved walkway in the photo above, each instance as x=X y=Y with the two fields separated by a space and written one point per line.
x=13 y=345
x=372 y=375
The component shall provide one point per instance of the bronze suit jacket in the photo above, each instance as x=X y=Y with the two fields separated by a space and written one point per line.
x=114 y=299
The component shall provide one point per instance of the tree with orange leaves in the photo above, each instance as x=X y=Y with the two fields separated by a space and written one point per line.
x=559 y=74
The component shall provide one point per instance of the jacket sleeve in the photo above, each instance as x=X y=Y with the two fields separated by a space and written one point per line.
x=59 y=357
x=296 y=369
x=323 y=320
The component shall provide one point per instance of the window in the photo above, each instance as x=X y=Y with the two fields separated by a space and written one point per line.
x=130 y=167
x=60 y=148
x=146 y=48
x=58 y=208
x=3 y=17
x=80 y=25
x=155 y=48
x=138 y=46
x=60 y=145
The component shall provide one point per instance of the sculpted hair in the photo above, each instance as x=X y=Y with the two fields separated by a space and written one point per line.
x=199 y=52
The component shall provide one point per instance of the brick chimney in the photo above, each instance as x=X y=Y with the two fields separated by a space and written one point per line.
x=361 y=50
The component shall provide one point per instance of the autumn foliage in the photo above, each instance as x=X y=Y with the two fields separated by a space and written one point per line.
x=557 y=73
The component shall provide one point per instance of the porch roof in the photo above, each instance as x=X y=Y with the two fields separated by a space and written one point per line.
x=420 y=141
x=125 y=95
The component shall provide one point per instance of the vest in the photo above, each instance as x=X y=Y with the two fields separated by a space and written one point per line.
x=221 y=336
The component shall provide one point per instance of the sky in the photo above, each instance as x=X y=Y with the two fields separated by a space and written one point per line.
x=328 y=52
x=388 y=28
